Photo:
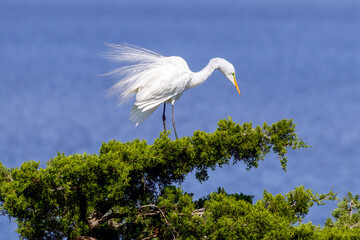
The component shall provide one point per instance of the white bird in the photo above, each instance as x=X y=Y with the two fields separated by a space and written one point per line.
x=156 y=79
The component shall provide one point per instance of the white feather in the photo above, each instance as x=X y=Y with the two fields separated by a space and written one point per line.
x=138 y=116
x=141 y=68
x=152 y=77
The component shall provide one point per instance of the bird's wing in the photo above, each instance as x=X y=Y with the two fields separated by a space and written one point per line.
x=167 y=82
x=162 y=88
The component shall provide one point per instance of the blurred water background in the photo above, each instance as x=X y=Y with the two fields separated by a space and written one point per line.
x=294 y=59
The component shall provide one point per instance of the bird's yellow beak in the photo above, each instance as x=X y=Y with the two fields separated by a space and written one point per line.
x=236 y=85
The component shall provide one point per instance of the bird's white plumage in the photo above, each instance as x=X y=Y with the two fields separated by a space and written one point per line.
x=152 y=77
x=156 y=79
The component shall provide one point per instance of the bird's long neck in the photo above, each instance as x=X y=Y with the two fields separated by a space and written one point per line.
x=201 y=76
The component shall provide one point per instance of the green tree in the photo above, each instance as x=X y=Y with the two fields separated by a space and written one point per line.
x=128 y=190
x=347 y=213
x=296 y=204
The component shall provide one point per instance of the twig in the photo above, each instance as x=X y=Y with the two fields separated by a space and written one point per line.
x=57 y=189
x=95 y=222
x=84 y=238
x=162 y=213
x=199 y=212
x=150 y=237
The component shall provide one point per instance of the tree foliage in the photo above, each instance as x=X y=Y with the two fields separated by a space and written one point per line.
x=347 y=213
x=128 y=190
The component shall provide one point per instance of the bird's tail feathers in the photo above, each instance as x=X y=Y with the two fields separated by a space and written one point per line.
x=138 y=116
x=129 y=53
x=140 y=60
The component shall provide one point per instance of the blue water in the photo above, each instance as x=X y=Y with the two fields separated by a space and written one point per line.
x=295 y=60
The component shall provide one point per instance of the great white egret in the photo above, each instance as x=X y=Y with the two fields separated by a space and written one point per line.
x=156 y=79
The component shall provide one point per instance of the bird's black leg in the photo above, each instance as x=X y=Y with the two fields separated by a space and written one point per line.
x=163 y=117
x=173 y=119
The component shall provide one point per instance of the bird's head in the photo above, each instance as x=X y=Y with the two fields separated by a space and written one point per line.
x=228 y=70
